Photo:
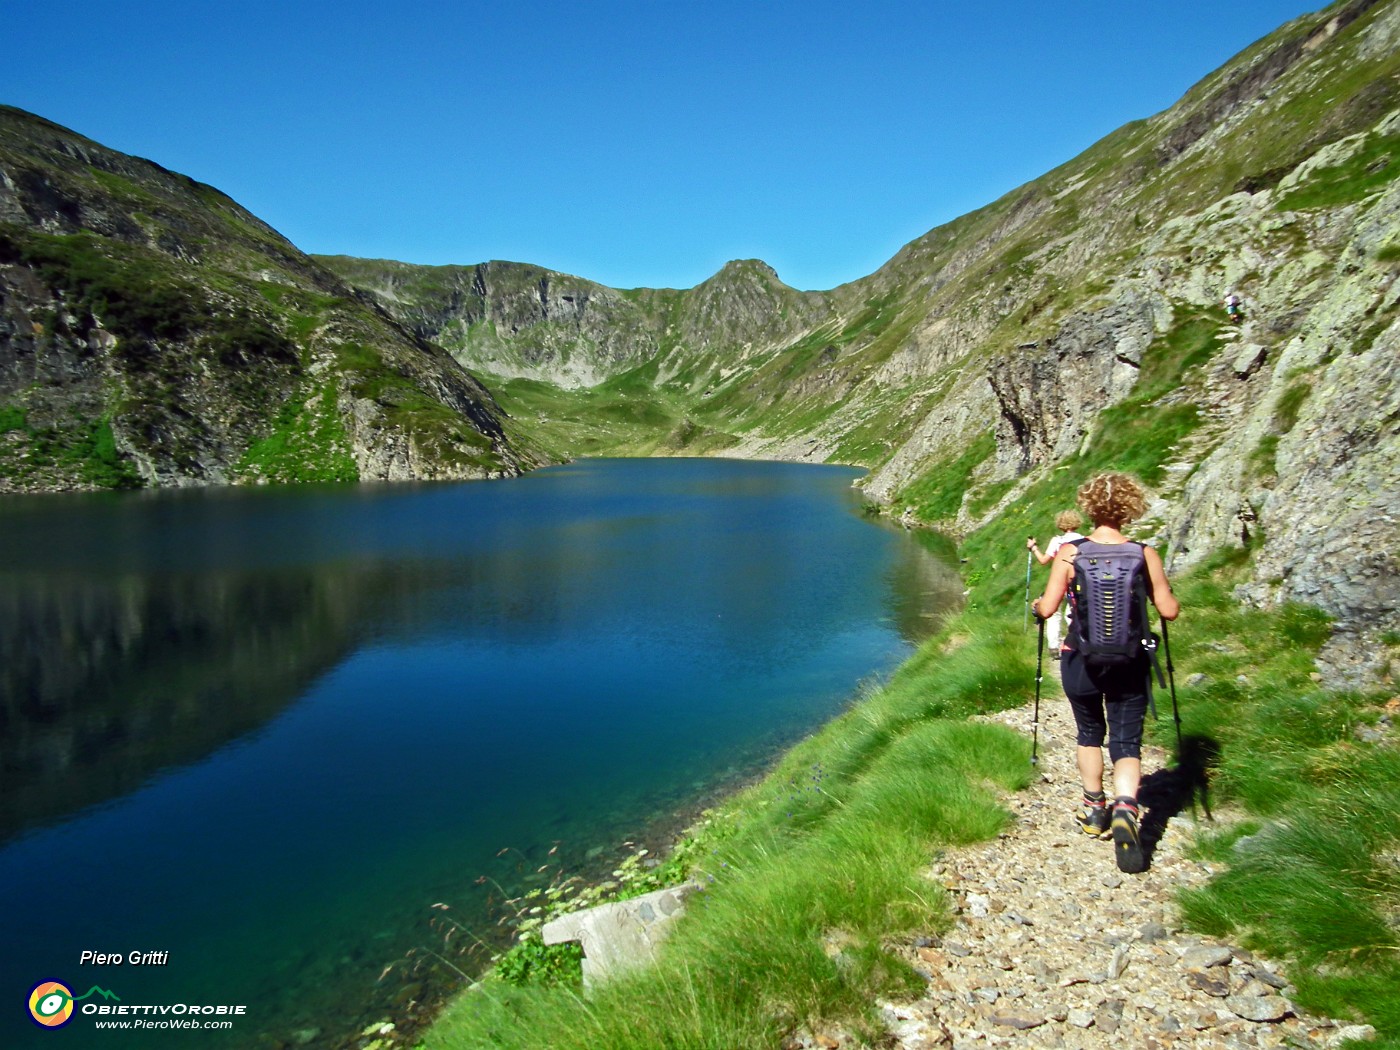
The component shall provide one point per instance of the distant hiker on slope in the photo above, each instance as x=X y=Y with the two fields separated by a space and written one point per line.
x=1107 y=654
x=1232 y=308
x=1067 y=521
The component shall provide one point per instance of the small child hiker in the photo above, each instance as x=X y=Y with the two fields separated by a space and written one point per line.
x=1067 y=521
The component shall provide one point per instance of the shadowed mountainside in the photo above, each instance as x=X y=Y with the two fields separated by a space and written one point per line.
x=152 y=332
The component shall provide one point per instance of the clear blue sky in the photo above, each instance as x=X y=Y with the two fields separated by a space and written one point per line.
x=633 y=143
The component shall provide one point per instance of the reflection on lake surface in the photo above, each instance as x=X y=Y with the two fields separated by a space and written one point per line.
x=265 y=731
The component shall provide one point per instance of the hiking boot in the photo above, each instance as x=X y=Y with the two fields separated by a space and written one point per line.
x=1127 y=840
x=1093 y=820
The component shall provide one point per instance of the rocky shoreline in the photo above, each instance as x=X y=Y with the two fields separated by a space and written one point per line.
x=1054 y=947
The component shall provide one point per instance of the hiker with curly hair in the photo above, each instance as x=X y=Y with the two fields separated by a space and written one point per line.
x=1108 y=691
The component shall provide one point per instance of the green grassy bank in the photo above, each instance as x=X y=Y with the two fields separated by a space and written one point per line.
x=810 y=870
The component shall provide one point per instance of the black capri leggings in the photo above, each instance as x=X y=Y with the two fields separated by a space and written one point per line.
x=1107 y=701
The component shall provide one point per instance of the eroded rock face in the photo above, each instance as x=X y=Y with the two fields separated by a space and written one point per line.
x=1322 y=513
x=1049 y=394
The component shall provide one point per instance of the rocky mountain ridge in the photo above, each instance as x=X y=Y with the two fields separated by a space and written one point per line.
x=515 y=320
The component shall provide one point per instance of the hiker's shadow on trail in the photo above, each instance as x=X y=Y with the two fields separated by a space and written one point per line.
x=1168 y=792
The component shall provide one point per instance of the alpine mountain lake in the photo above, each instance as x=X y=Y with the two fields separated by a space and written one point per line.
x=288 y=748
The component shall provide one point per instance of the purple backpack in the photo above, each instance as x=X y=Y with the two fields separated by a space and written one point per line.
x=1110 y=587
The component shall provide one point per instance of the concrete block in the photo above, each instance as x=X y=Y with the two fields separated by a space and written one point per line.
x=620 y=935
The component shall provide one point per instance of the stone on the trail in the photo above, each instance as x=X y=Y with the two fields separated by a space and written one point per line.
x=1258 y=1007
x=1109 y=1015
x=1207 y=1019
x=1216 y=986
x=1205 y=957
x=1023 y=1022
x=1152 y=932
x=1119 y=962
x=918 y=1036
x=1080 y=1018
x=1043 y=970
x=620 y=935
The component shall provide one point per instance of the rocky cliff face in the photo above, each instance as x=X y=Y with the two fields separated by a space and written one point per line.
x=154 y=333
x=516 y=320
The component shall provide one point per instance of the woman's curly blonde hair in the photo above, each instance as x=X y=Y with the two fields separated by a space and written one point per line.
x=1113 y=499
x=1068 y=520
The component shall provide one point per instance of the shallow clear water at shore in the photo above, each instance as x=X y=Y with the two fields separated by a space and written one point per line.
x=265 y=732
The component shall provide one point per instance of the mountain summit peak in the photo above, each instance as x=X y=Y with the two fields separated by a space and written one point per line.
x=743 y=267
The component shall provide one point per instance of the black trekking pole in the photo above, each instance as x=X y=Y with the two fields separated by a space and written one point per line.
x=1039 y=663
x=1171 y=678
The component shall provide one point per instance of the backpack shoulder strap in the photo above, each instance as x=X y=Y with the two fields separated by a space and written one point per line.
x=1146 y=578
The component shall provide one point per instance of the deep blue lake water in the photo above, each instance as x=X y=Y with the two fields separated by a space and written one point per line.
x=266 y=731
